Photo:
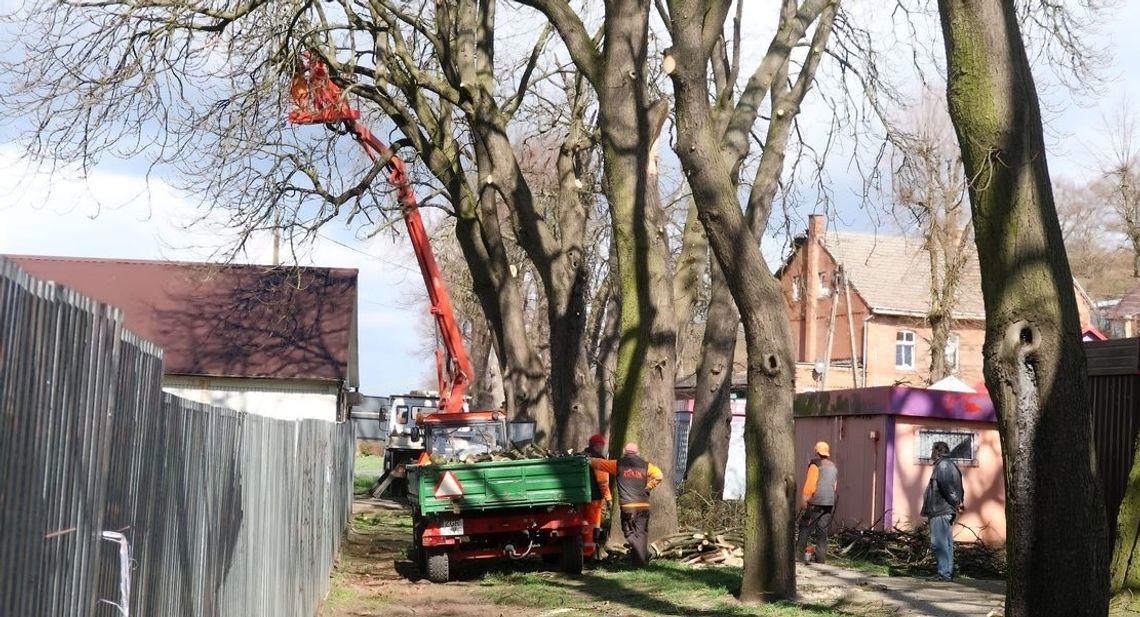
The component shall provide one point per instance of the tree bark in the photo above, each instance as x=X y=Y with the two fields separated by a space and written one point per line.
x=558 y=263
x=1125 y=571
x=604 y=343
x=524 y=377
x=712 y=415
x=712 y=142
x=689 y=271
x=643 y=385
x=1034 y=362
x=645 y=372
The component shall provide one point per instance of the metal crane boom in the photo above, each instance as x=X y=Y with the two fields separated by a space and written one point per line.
x=320 y=101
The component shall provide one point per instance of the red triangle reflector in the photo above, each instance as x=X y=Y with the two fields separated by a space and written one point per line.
x=448 y=486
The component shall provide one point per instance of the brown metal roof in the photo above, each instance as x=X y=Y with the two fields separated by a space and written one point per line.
x=223 y=320
x=1128 y=306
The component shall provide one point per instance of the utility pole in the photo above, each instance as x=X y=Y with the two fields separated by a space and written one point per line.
x=277 y=236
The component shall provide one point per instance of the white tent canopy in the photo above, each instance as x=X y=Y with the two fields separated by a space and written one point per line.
x=951 y=384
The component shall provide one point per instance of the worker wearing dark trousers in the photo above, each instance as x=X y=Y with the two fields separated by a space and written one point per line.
x=635 y=479
x=818 y=503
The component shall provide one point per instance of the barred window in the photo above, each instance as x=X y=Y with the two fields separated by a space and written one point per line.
x=963 y=445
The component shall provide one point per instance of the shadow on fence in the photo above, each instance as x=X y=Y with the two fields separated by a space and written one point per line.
x=224 y=514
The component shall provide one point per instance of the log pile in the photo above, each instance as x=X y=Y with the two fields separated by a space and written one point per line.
x=724 y=548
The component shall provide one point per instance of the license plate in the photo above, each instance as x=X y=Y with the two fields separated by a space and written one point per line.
x=451 y=527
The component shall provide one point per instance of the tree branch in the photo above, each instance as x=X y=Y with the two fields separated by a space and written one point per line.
x=748 y=107
x=573 y=32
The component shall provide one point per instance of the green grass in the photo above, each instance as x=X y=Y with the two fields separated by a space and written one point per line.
x=661 y=588
x=366 y=469
x=369 y=465
x=869 y=567
x=361 y=484
x=376 y=522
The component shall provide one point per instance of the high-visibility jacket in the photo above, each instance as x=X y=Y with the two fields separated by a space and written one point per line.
x=635 y=478
x=821 y=483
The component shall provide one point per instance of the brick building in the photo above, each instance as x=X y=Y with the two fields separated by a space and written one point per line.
x=878 y=327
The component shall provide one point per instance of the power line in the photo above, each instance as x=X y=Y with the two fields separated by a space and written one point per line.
x=367 y=254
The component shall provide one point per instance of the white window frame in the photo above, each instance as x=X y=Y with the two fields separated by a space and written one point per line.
x=797 y=288
x=953 y=352
x=925 y=437
x=825 y=280
x=901 y=341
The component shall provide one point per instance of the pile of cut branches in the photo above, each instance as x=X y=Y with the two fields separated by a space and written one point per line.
x=724 y=548
x=530 y=451
x=908 y=552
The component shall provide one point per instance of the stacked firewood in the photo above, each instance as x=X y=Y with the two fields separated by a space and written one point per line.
x=717 y=548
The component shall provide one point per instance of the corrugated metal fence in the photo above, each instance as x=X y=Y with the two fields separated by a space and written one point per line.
x=223 y=513
x=1114 y=390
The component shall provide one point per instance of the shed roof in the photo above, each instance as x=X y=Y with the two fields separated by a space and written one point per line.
x=226 y=320
x=897 y=401
x=1126 y=307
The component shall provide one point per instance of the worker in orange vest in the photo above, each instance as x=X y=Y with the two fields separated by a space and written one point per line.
x=635 y=479
x=818 y=503
x=593 y=510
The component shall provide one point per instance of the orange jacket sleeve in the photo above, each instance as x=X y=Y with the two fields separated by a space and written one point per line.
x=603 y=480
x=809 y=483
x=604 y=464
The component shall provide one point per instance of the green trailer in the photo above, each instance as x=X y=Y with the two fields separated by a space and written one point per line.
x=496 y=509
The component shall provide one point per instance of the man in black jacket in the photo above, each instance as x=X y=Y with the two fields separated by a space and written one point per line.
x=941 y=504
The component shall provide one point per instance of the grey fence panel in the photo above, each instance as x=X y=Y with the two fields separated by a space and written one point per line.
x=226 y=514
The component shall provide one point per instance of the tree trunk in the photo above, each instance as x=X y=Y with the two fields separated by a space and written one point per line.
x=939 y=337
x=689 y=271
x=605 y=340
x=643 y=385
x=712 y=415
x=524 y=377
x=482 y=388
x=1125 y=574
x=1033 y=358
x=571 y=381
x=561 y=269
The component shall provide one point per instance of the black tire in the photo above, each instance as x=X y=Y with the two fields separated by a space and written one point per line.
x=437 y=565
x=572 y=554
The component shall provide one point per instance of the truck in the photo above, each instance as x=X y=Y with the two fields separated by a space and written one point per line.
x=402 y=444
x=385 y=424
x=476 y=508
x=495 y=509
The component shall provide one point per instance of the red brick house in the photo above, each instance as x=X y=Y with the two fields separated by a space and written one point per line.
x=882 y=337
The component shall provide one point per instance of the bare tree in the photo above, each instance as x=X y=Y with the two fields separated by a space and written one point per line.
x=1099 y=258
x=930 y=189
x=1034 y=362
x=214 y=80
x=1120 y=185
x=714 y=128
x=630 y=121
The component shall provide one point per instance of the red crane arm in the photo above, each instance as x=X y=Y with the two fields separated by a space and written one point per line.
x=320 y=101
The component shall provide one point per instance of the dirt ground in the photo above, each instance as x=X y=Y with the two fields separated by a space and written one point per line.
x=374 y=577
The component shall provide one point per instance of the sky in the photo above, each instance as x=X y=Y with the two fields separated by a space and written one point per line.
x=114 y=213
